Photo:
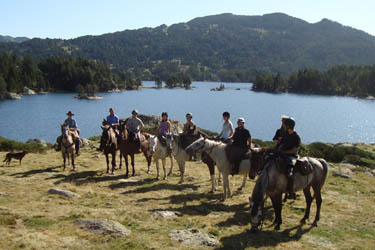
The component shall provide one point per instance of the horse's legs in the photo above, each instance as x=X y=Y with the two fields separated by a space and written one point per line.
x=107 y=161
x=113 y=162
x=157 y=168
x=64 y=157
x=220 y=177
x=181 y=165
x=163 y=160
x=132 y=158
x=226 y=187
x=277 y=206
x=318 y=198
x=120 y=167
x=308 y=198
x=243 y=182
x=211 y=168
x=74 y=167
x=170 y=170
x=127 y=165
x=148 y=158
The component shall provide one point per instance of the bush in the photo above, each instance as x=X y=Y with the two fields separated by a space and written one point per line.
x=10 y=145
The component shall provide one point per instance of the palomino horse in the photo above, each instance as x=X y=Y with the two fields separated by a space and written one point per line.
x=273 y=183
x=158 y=151
x=109 y=145
x=179 y=153
x=128 y=147
x=216 y=150
x=67 y=144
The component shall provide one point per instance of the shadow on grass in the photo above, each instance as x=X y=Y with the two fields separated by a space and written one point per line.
x=36 y=171
x=263 y=238
x=156 y=187
x=80 y=178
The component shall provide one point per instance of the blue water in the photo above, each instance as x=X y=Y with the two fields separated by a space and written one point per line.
x=319 y=118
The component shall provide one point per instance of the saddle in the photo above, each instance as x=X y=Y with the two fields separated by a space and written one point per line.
x=303 y=166
x=162 y=140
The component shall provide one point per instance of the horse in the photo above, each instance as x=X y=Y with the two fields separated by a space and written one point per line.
x=216 y=150
x=273 y=182
x=181 y=156
x=159 y=151
x=67 y=144
x=128 y=147
x=109 y=145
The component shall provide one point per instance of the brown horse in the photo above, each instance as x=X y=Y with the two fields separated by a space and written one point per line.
x=128 y=147
x=68 y=144
x=108 y=144
x=273 y=182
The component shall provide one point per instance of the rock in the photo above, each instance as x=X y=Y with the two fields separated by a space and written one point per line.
x=369 y=174
x=27 y=91
x=88 y=97
x=38 y=141
x=84 y=142
x=65 y=193
x=348 y=166
x=109 y=204
x=346 y=171
x=193 y=237
x=151 y=122
x=102 y=226
x=299 y=208
x=11 y=95
x=165 y=214
x=341 y=175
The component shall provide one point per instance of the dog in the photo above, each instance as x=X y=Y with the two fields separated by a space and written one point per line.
x=18 y=156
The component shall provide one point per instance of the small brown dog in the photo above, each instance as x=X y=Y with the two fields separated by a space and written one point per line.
x=18 y=156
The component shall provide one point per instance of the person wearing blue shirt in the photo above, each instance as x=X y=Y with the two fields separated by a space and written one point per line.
x=113 y=119
x=72 y=124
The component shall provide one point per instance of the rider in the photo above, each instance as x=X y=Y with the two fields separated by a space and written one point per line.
x=164 y=127
x=288 y=149
x=280 y=133
x=134 y=125
x=190 y=132
x=241 y=145
x=113 y=121
x=227 y=130
x=72 y=124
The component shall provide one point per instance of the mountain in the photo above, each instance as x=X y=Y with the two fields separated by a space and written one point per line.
x=210 y=47
x=7 y=39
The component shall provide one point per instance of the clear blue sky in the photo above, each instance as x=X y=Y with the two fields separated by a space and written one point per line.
x=72 y=18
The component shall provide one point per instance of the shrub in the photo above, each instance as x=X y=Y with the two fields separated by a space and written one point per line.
x=10 y=145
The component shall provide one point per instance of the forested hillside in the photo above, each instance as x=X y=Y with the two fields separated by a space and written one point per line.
x=223 y=47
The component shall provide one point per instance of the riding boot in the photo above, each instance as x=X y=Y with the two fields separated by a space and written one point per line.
x=78 y=143
x=236 y=167
x=138 y=144
x=290 y=180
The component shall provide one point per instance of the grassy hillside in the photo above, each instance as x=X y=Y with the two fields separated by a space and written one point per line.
x=32 y=219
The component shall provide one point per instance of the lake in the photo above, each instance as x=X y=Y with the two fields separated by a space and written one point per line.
x=318 y=118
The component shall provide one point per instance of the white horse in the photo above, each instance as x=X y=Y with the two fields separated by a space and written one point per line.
x=217 y=151
x=158 y=151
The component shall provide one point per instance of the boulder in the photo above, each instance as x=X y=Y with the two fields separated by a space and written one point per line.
x=84 y=142
x=65 y=193
x=38 y=141
x=193 y=237
x=152 y=121
x=103 y=227
x=27 y=91
x=11 y=95
x=165 y=214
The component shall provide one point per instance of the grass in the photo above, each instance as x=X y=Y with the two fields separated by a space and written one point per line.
x=32 y=219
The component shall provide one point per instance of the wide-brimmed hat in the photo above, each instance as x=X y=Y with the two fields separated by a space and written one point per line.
x=241 y=119
x=283 y=117
x=69 y=113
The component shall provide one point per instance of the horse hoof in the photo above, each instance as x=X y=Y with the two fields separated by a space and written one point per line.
x=169 y=173
x=148 y=171
x=239 y=189
x=254 y=230
x=315 y=224
x=113 y=173
x=277 y=227
x=180 y=182
x=303 y=221
x=133 y=174
x=107 y=172
x=126 y=176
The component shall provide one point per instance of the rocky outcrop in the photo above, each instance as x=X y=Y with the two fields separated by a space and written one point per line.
x=65 y=193
x=152 y=122
x=38 y=141
x=193 y=237
x=27 y=91
x=103 y=227
x=11 y=95
x=165 y=214
x=86 y=97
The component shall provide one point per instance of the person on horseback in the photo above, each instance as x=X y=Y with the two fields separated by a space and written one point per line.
x=241 y=145
x=289 y=149
x=113 y=121
x=72 y=124
x=190 y=132
x=134 y=126
x=227 y=130
x=280 y=133
x=164 y=128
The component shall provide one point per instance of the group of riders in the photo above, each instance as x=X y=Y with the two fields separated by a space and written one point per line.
x=239 y=141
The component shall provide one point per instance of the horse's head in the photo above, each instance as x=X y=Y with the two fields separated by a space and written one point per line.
x=256 y=213
x=106 y=138
x=64 y=130
x=169 y=139
x=197 y=146
x=151 y=145
x=257 y=161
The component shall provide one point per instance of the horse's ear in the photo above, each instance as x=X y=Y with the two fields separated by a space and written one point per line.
x=102 y=127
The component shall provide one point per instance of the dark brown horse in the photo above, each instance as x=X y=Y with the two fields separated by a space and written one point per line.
x=128 y=147
x=273 y=182
x=108 y=144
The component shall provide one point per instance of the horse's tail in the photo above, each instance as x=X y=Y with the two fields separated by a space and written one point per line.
x=325 y=169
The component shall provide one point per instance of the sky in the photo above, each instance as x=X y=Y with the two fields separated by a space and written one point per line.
x=73 y=18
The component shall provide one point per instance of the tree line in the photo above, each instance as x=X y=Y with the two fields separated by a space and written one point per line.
x=338 y=80
x=61 y=73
